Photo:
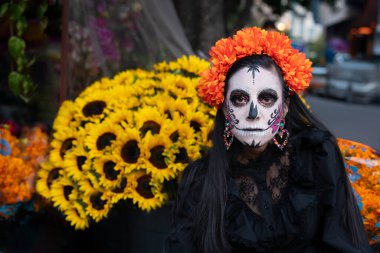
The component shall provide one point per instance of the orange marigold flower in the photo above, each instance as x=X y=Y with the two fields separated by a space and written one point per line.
x=295 y=67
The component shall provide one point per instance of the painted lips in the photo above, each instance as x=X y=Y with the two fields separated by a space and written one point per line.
x=249 y=129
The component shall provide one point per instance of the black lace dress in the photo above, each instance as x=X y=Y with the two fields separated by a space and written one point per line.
x=284 y=201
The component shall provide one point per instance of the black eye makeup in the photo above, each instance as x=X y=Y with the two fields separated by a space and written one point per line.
x=267 y=97
x=239 y=98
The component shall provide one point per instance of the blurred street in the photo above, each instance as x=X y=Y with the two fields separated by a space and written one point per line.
x=357 y=122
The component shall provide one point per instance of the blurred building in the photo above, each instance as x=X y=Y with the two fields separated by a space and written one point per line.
x=353 y=21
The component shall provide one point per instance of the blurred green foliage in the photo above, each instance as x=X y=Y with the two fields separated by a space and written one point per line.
x=14 y=12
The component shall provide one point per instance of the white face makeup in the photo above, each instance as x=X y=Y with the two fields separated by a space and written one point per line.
x=254 y=105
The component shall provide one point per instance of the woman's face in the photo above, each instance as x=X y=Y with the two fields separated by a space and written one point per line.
x=254 y=105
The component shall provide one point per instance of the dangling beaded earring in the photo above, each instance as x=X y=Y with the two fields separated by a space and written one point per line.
x=282 y=136
x=227 y=135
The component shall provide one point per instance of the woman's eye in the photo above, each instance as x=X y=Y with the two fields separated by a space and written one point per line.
x=239 y=98
x=267 y=99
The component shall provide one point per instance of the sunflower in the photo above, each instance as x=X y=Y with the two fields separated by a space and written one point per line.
x=181 y=107
x=156 y=148
x=123 y=118
x=125 y=78
x=197 y=121
x=47 y=174
x=177 y=86
x=109 y=171
x=130 y=77
x=63 y=143
x=128 y=150
x=205 y=137
x=149 y=119
x=93 y=179
x=66 y=116
x=77 y=162
x=77 y=216
x=124 y=97
x=144 y=87
x=146 y=192
x=102 y=85
x=98 y=204
x=121 y=191
x=163 y=103
x=86 y=186
x=186 y=65
x=93 y=107
x=101 y=136
x=63 y=192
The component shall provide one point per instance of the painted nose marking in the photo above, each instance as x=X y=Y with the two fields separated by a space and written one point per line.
x=252 y=112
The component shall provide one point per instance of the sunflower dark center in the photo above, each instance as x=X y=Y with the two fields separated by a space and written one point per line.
x=53 y=175
x=97 y=201
x=151 y=126
x=130 y=152
x=195 y=125
x=182 y=156
x=189 y=100
x=174 y=136
x=66 y=146
x=144 y=188
x=168 y=114
x=93 y=108
x=105 y=140
x=121 y=187
x=171 y=94
x=180 y=113
x=109 y=170
x=80 y=161
x=67 y=189
x=157 y=158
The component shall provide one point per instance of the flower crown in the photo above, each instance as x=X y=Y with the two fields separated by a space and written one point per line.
x=296 y=68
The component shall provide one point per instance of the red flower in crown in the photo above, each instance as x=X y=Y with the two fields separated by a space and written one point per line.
x=296 y=68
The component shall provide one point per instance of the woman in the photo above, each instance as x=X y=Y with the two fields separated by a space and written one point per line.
x=274 y=180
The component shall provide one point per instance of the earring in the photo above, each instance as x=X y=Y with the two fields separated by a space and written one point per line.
x=282 y=136
x=227 y=135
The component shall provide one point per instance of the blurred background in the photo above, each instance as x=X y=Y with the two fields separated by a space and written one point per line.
x=51 y=50
x=67 y=45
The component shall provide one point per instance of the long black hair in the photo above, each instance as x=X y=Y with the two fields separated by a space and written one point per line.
x=208 y=231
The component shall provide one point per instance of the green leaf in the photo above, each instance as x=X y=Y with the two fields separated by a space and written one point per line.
x=17 y=10
x=15 y=81
x=3 y=9
x=16 y=46
x=21 y=26
x=41 y=9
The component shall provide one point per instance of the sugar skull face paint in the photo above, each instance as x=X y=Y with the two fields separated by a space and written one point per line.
x=254 y=105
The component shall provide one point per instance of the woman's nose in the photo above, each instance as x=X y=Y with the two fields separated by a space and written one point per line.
x=252 y=112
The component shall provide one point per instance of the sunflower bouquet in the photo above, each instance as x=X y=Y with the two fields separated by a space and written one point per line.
x=126 y=138
x=19 y=159
x=363 y=167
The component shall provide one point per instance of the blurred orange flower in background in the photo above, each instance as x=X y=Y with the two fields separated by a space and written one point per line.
x=363 y=167
x=19 y=161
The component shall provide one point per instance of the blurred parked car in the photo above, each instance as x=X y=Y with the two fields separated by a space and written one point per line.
x=353 y=81
x=319 y=81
